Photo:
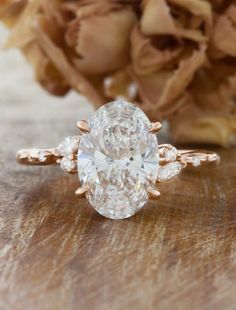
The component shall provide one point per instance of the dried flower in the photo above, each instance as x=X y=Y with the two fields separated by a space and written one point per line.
x=176 y=59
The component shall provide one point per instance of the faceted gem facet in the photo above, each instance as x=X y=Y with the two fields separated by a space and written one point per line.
x=169 y=171
x=68 y=146
x=68 y=165
x=117 y=159
x=170 y=153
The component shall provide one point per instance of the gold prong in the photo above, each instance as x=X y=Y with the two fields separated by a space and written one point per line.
x=81 y=191
x=155 y=127
x=83 y=126
x=72 y=157
x=183 y=162
x=153 y=194
x=163 y=161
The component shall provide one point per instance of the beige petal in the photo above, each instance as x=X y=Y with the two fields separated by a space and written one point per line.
x=10 y=10
x=73 y=77
x=150 y=87
x=182 y=76
x=157 y=19
x=214 y=87
x=199 y=8
x=45 y=72
x=219 y=130
x=121 y=85
x=90 y=8
x=22 y=33
x=162 y=89
x=148 y=58
x=110 y=35
x=224 y=35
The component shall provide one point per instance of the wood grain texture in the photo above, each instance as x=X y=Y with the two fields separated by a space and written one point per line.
x=56 y=252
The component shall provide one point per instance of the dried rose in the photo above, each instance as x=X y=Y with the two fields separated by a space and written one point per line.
x=176 y=59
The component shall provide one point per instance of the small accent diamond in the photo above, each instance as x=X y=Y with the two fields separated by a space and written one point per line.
x=169 y=171
x=170 y=153
x=68 y=165
x=196 y=161
x=42 y=157
x=68 y=146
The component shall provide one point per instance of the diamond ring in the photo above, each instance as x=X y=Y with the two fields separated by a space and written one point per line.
x=118 y=159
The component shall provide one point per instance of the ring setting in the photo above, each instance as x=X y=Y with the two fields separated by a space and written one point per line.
x=118 y=159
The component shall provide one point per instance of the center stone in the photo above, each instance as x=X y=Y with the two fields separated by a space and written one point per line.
x=118 y=159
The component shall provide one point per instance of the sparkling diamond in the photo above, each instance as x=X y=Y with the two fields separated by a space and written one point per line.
x=170 y=153
x=68 y=146
x=68 y=165
x=42 y=156
x=196 y=161
x=118 y=159
x=169 y=171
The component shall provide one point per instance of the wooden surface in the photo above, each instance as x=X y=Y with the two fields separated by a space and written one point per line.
x=56 y=252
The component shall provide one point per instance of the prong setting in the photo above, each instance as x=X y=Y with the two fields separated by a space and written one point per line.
x=155 y=127
x=153 y=193
x=83 y=126
x=81 y=191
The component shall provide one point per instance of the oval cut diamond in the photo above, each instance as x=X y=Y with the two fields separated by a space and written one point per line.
x=118 y=159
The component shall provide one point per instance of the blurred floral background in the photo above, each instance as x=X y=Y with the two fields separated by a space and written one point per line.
x=176 y=59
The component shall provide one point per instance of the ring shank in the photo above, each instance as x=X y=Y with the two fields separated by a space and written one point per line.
x=42 y=157
x=197 y=157
x=37 y=157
